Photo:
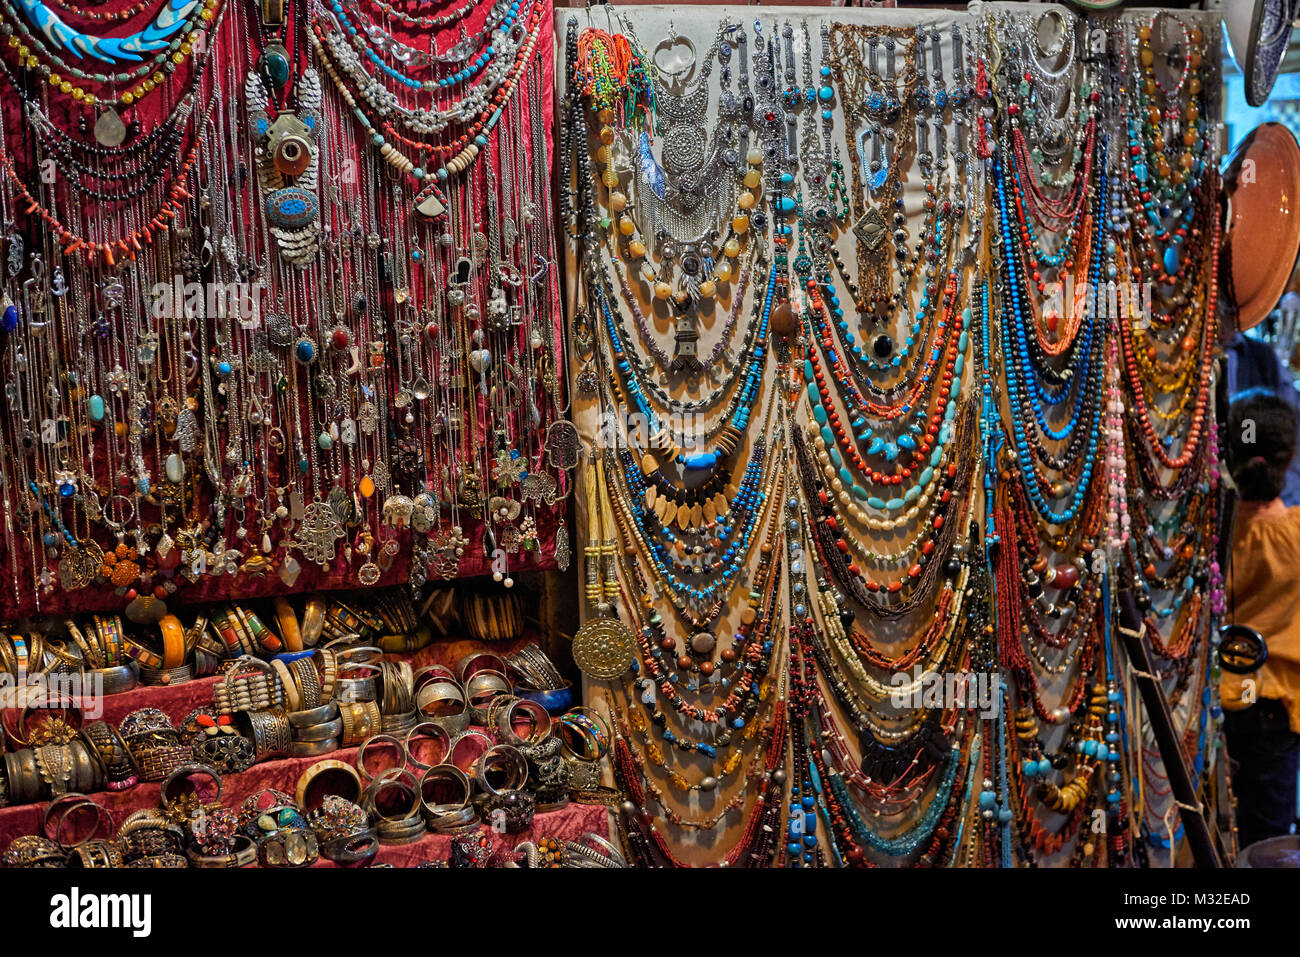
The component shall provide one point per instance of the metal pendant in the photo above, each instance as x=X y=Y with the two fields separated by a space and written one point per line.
x=604 y=649
x=563 y=553
x=318 y=534
x=563 y=444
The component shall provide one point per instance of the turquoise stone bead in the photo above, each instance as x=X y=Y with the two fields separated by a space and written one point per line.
x=96 y=408
x=1172 y=259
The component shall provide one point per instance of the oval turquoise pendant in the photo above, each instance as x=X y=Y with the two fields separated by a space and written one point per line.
x=274 y=65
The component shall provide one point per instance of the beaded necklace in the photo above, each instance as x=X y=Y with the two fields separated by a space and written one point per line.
x=372 y=104
x=34 y=54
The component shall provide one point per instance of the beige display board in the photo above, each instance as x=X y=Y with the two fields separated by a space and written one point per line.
x=695 y=844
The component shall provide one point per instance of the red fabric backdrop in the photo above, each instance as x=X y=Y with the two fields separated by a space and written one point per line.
x=20 y=598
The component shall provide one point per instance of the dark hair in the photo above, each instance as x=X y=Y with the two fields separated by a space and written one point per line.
x=1261 y=444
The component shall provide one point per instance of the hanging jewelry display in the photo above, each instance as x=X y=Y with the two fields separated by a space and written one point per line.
x=237 y=360
x=960 y=420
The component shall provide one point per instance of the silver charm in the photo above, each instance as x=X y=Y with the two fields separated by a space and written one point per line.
x=318 y=534
x=563 y=554
x=563 y=444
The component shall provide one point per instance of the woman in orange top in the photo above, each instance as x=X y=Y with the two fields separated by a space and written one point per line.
x=1264 y=593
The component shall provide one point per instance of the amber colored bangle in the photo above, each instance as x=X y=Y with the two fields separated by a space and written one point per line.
x=288 y=622
x=173 y=635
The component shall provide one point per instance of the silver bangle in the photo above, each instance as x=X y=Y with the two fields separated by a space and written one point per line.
x=319 y=732
x=390 y=739
x=503 y=759
x=314 y=716
x=313 y=749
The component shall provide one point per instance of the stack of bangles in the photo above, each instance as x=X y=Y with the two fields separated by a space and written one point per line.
x=535 y=668
x=440 y=699
x=346 y=621
x=495 y=617
x=393 y=801
x=59 y=824
x=243 y=633
x=357 y=682
x=501 y=767
x=110 y=750
x=316 y=731
x=445 y=793
x=518 y=721
x=584 y=734
x=101 y=650
x=397 y=698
